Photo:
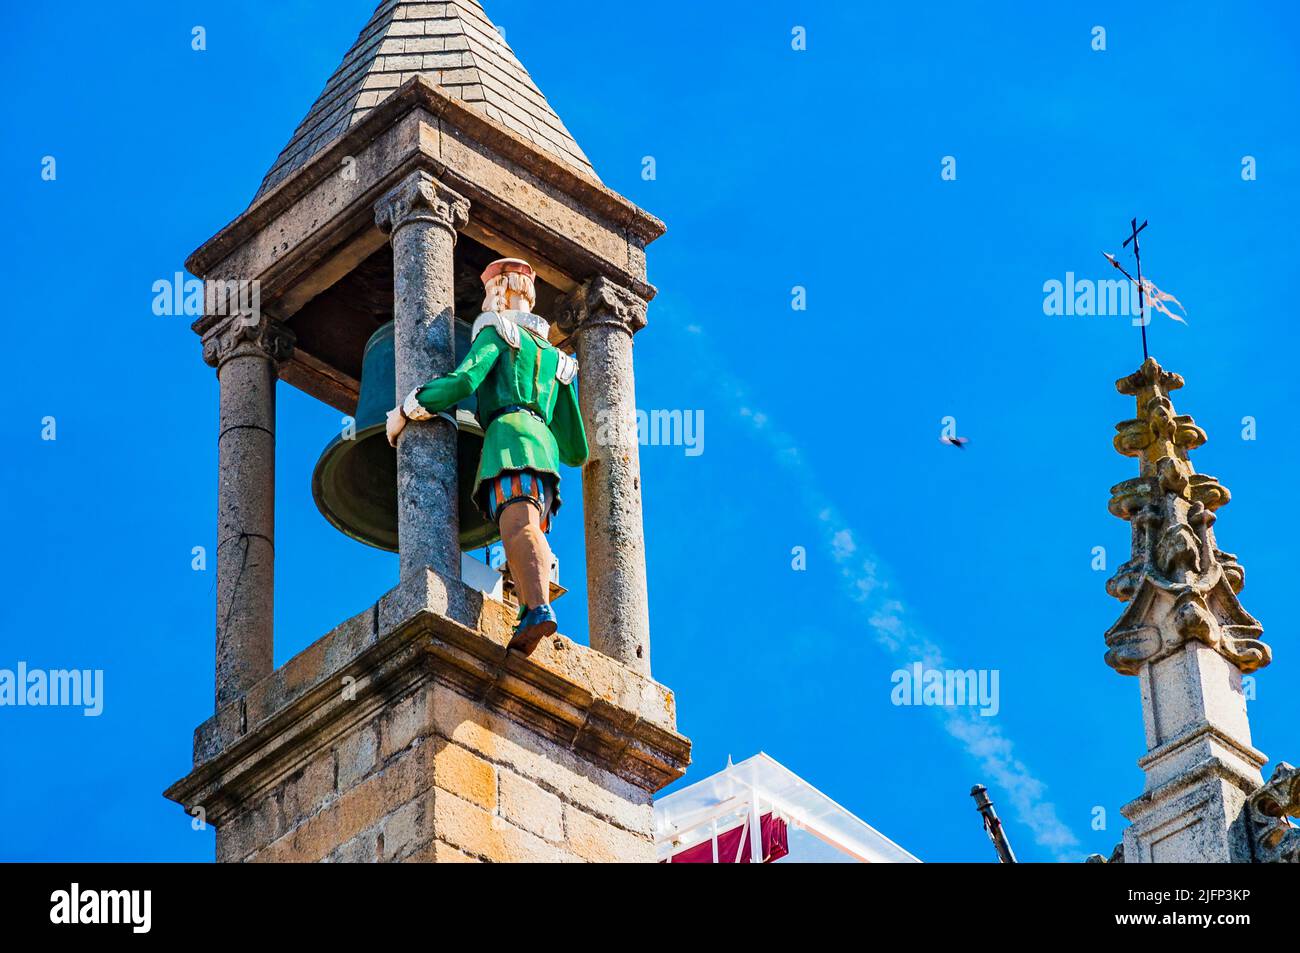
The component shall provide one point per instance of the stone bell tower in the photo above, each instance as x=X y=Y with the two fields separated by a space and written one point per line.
x=1187 y=638
x=409 y=732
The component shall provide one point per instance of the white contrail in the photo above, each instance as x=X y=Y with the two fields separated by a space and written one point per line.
x=866 y=583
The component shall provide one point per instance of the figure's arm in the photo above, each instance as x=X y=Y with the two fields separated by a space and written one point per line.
x=566 y=424
x=441 y=393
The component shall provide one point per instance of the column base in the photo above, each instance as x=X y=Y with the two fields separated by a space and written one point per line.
x=1198 y=817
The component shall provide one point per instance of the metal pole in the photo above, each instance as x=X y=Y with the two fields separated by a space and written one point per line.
x=1142 y=301
x=1142 y=304
x=992 y=825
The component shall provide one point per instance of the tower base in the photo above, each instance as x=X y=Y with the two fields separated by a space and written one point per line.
x=407 y=735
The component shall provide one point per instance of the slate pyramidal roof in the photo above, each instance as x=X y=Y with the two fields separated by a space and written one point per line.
x=456 y=46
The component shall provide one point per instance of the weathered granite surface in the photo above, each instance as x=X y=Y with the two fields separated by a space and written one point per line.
x=602 y=317
x=245 y=350
x=422 y=216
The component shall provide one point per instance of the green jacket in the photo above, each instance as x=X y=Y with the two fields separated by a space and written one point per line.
x=508 y=365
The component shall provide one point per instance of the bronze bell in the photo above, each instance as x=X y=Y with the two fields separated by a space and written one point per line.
x=355 y=480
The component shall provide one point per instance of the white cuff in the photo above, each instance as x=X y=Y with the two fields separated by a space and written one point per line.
x=412 y=409
x=566 y=369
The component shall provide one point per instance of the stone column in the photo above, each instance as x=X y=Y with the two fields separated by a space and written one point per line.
x=603 y=316
x=422 y=215
x=245 y=350
x=1200 y=765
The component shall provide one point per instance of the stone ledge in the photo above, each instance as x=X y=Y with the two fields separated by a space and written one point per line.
x=1186 y=782
x=1200 y=744
x=565 y=692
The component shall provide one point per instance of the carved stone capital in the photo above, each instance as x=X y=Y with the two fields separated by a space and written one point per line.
x=243 y=335
x=601 y=303
x=421 y=198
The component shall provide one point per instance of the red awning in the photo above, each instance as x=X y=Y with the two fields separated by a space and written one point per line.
x=733 y=845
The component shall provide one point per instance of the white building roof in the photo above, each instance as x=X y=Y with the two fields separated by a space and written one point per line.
x=820 y=830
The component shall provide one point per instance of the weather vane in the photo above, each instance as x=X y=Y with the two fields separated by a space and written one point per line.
x=1147 y=291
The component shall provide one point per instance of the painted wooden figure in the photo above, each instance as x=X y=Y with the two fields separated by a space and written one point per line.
x=527 y=404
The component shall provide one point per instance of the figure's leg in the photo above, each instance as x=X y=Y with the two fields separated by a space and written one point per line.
x=527 y=551
x=529 y=556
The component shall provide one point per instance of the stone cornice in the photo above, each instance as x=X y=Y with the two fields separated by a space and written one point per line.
x=247 y=336
x=567 y=693
x=601 y=303
x=421 y=93
x=421 y=198
x=1208 y=733
x=1187 y=781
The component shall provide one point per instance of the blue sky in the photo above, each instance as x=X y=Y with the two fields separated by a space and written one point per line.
x=775 y=168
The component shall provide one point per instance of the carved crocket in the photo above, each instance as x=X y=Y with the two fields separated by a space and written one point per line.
x=1277 y=840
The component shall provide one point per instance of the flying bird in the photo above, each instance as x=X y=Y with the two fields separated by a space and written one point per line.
x=958 y=442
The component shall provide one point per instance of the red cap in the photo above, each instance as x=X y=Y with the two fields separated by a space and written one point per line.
x=506 y=266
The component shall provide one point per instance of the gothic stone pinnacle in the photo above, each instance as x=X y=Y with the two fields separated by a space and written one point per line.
x=1179 y=585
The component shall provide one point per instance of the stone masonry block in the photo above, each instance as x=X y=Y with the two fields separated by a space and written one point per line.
x=405 y=721
x=355 y=810
x=594 y=840
x=362 y=849
x=463 y=773
x=305 y=791
x=444 y=853
x=407 y=829
x=472 y=830
x=246 y=832
x=526 y=805
x=357 y=752
x=440 y=852
x=556 y=769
